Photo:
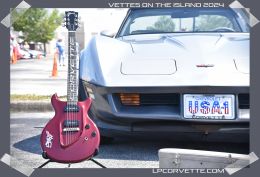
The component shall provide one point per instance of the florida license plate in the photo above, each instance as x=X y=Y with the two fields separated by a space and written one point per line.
x=200 y=106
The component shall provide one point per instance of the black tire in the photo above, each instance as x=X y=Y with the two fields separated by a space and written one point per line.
x=106 y=140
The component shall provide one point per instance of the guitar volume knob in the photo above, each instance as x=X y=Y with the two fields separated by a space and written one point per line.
x=93 y=134
x=87 y=126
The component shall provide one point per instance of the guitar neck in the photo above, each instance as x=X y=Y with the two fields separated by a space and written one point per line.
x=72 y=83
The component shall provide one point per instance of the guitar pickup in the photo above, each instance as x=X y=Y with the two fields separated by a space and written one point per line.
x=70 y=123
x=71 y=108
x=71 y=129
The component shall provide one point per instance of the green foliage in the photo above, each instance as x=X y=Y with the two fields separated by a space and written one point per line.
x=37 y=24
x=164 y=24
x=32 y=97
x=211 y=22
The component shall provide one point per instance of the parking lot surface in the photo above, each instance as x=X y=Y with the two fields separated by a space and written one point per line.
x=121 y=153
x=34 y=76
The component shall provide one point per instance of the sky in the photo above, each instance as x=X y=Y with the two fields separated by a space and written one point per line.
x=99 y=19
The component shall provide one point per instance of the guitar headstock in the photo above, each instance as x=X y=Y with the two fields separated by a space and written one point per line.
x=71 y=20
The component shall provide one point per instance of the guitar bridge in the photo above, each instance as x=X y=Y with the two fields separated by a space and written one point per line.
x=71 y=129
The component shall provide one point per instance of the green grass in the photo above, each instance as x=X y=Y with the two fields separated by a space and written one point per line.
x=32 y=97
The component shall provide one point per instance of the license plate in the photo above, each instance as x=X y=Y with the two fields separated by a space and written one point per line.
x=199 y=106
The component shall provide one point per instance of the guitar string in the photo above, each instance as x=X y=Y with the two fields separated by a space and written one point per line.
x=72 y=97
x=70 y=89
x=73 y=81
x=66 y=133
x=76 y=82
x=74 y=86
x=75 y=56
x=68 y=101
x=75 y=53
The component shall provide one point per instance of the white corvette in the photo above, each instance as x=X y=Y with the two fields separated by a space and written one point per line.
x=180 y=71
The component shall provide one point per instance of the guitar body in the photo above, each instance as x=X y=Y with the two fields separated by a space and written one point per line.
x=71 y=136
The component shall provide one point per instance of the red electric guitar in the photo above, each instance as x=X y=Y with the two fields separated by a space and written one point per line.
x=71 y=136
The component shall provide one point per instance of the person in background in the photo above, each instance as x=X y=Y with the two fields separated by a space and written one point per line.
x=15 y=48
x=26 y=46
x=60 y=47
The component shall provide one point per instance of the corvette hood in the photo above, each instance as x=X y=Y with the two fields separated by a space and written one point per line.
x=210 y=59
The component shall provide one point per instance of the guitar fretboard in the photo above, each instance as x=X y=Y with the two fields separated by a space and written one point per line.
x=72 y=83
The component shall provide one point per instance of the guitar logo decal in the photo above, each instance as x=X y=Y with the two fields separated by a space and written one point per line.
x=49 y=139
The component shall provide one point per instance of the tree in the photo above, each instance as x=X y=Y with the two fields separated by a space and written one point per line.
x=38 y=25
x=164 y=24
x=211 y=22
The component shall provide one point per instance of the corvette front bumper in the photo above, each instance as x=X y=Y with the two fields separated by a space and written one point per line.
x=115 y=119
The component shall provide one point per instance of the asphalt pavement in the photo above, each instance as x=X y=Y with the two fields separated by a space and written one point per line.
x=25 y=147
x=34 y=76
x=121 y=153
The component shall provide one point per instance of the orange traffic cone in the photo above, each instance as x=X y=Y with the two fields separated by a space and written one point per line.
x=54 y=68
x=14 y=57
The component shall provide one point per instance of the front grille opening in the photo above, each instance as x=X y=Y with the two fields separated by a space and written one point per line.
x=151 y=99
x=243 y=101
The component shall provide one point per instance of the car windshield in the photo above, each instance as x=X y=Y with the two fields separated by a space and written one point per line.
x=180 y=20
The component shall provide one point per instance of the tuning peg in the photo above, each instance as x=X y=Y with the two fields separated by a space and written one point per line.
x=63 y=24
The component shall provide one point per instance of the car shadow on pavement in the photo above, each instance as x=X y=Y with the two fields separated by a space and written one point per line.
x=139 y=149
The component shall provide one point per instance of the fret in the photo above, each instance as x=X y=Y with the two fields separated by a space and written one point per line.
x=72 y=87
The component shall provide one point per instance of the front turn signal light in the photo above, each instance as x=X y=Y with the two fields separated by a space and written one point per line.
x=130 y=99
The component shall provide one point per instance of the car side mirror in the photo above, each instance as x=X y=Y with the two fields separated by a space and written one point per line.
x=107 y=33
